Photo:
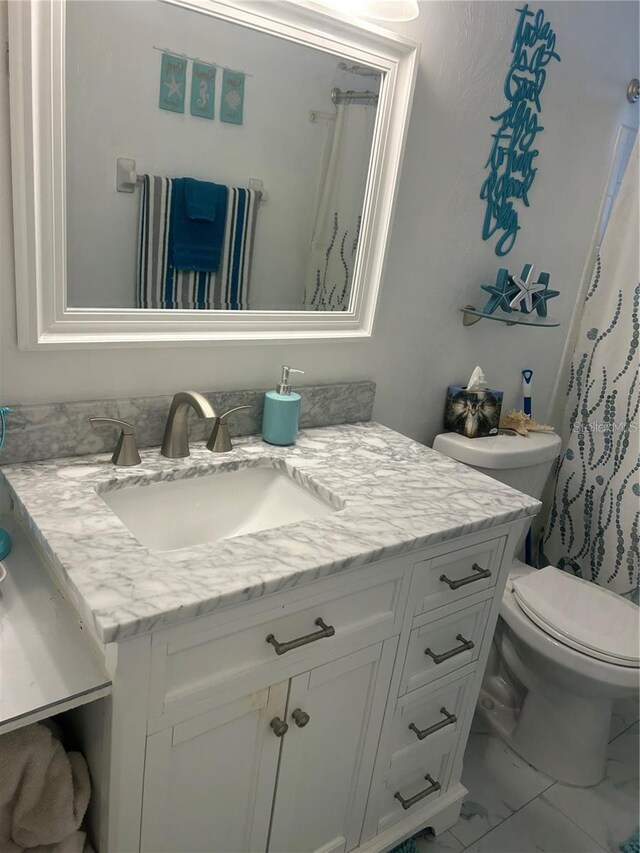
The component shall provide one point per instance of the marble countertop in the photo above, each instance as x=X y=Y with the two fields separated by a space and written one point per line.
x=397 y=496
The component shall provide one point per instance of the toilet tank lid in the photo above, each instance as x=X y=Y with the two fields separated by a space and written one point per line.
x=500 y=451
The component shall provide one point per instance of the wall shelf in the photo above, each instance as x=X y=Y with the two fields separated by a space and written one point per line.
x=49 y=665
x=472 y=315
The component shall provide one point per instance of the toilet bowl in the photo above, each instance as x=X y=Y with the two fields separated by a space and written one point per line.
x=564 y=648
x=549 y=700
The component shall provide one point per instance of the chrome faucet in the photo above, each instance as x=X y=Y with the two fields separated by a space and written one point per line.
x=175 y=443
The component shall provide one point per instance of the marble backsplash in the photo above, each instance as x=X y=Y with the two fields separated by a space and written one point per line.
x=52 y=430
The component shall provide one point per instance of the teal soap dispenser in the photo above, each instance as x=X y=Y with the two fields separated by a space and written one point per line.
x=281 y=412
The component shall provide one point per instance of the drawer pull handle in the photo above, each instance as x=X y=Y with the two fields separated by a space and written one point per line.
x=279 y=727
x=281 y=648
x=406 y=804
x=464 y=646
x=421 y=734
x=300 y=718
x=479 y=574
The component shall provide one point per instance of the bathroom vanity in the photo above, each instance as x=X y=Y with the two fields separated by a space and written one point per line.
x=300 y=687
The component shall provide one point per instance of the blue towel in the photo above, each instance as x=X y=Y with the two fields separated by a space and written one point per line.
x=198 y=217
x=201 y=199
x=161 y=285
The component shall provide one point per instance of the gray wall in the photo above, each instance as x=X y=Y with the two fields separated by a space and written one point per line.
x=436 y=258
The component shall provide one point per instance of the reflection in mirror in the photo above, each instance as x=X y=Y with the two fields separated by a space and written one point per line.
x=244 y=163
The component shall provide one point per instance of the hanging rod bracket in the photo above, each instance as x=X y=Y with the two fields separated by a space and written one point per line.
x=126 y=175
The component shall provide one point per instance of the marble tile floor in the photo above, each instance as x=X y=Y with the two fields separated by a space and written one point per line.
x=512 y=808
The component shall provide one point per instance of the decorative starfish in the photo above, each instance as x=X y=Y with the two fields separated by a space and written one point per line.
x=540 y=299
x=174 y=87
x=502 y=292
x=523 y=301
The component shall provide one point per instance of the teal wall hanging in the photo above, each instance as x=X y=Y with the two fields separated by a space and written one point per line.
x=232 y=100
x=203 y=85
x=512 y=159
x=173 y=80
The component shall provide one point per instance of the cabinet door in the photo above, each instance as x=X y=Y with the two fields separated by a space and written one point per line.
x=326 y=765
x=209 y=780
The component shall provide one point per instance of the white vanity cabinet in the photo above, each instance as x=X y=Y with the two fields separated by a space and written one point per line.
x=325 y=767
x=298 y=690
x=304 y=748
x=330 y=717
x=209 y=780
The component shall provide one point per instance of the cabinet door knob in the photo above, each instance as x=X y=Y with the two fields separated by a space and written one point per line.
x=300 y=718
x=279 y=727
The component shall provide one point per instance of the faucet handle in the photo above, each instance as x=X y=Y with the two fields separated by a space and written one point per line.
x=126 y=452
x=220 y=441
x=223 y=418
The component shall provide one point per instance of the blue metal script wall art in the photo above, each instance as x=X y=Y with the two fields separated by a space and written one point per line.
x=512 y=161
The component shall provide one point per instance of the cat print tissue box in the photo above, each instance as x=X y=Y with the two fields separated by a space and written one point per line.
x=475 y=414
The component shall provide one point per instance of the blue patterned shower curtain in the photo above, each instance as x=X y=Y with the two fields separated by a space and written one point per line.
x=593 y=523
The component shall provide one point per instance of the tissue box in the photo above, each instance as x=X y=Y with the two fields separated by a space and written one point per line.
x=472 y=413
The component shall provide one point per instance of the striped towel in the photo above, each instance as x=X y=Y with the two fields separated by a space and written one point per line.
x=161 y=285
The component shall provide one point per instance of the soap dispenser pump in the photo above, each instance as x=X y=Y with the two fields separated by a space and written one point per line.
x=281 y=411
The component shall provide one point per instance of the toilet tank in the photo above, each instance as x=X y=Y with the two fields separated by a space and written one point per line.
x=523 y=462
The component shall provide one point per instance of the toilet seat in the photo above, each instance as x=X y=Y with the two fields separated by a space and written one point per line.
x=579 y=614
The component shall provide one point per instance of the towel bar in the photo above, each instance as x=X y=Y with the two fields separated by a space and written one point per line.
x=127 y=178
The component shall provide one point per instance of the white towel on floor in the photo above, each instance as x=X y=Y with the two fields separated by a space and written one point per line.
x=44 y=793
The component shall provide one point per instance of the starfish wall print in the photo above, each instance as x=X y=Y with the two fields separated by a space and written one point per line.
x=173 y=81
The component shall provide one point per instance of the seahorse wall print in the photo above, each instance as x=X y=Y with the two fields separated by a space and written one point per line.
x=512 y=160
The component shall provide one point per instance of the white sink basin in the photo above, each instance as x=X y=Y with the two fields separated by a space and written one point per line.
x=191 y=511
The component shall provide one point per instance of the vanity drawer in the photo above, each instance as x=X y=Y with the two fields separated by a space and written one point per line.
x=456 y=574
x=428 y=718
x=439 y=646
x=192 y=666
x=409 y=781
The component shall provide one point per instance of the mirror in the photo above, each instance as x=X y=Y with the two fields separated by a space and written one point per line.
x=201 y=170
x=308 y=152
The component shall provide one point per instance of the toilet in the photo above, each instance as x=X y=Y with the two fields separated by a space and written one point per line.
x=564 y=648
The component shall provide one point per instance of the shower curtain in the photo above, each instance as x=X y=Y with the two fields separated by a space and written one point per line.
x=593 y=522
x=338 y=212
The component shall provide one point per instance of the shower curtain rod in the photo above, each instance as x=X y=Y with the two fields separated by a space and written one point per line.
x=338 y=96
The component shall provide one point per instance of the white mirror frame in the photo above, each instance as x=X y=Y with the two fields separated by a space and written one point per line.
x=37 y=90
